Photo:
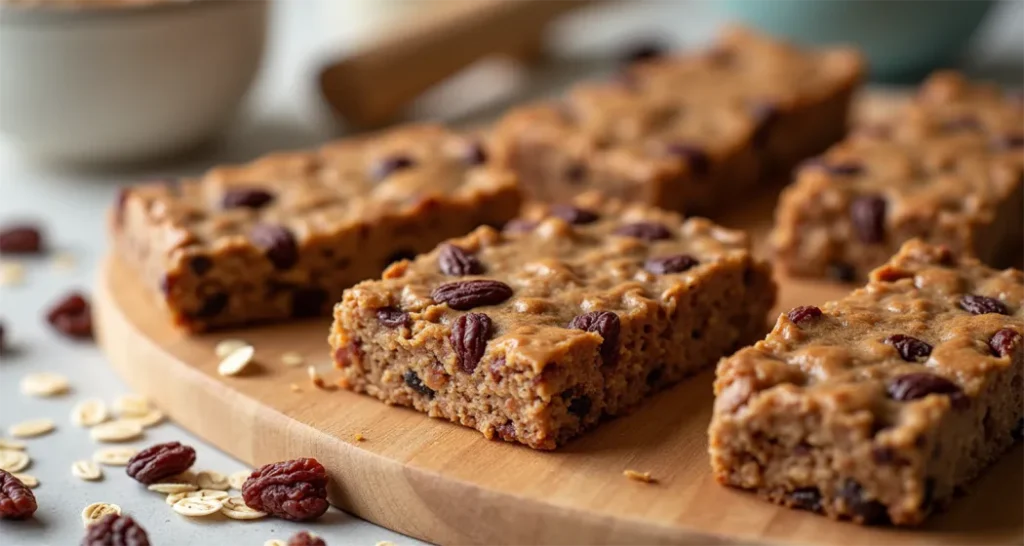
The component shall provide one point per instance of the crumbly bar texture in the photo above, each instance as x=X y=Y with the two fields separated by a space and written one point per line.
x=685 y=133
x=573 y=312
x=283 y=236
x=948 y=168
x=880 y=406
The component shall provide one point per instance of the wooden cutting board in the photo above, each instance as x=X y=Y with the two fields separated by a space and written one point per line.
x=444 y=483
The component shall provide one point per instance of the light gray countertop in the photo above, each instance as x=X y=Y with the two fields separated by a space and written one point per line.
x=284 y=112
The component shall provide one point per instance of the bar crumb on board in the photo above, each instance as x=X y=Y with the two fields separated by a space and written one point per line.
x=639 y=476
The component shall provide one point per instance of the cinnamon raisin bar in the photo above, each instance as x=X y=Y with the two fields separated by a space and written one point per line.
x=879 y=406
x=533 y=333
x=283 y=236
x=688 y=132
x=948 y=168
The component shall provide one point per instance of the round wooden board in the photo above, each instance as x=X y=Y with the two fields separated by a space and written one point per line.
x=444 y=483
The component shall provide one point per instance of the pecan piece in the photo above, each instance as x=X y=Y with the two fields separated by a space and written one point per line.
x=465 y=295
x=456 y=262
x=469 y=338
x=605 y=324
x=160 y=461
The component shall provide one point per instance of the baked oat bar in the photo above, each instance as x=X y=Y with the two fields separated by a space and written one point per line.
x=283 y=236
x=880 y=406
x=688 y=132
x=574 y=312
x=948 y=168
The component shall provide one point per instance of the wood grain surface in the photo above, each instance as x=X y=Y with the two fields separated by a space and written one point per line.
x=444 y=483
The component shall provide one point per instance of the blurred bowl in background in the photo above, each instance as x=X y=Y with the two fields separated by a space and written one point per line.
x=114 y=84
x=903 y=40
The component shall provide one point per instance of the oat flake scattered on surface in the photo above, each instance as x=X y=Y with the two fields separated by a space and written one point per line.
x=44 y=384
x=31 y=428
x=97 y=510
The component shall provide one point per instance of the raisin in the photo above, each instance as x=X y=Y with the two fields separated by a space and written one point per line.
x=200 y=265
x=160 y=461
x=469 y=338
x=580 y=406
x=456 y=262
x=212 y=305
x=506 y=431
x=642 y=52
x=695 y=157
x=883 y=454
x=654 y=376
x=575 y=173
x=474 y=153
x=390 y=165
x=867 y=214
x=843 y=168
x=465 y=295
x=250 y=198
x=806 y=498
x=917 y=385
x=1009 y=142
x=841 y=272
x=72 y=316
x=21 y=239
x=648 y=231
x=1005 y=342
x=574 y=215
x=308 y=301
x=115 y=530
x=393 y=318
x=414 y=382
x=277 y=242
x=980 y=305
x=1018 y=431
x=910 y=348
x=348 y=354
x=304 y=538
x=295 y=490
x=765 y=114
x=16 y=500
x=519 y=225
x=605 y=324
x=803 y=313
x=866 y=511
x=670 y=264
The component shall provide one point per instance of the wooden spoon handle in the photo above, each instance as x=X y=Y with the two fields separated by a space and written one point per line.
x=373 y=86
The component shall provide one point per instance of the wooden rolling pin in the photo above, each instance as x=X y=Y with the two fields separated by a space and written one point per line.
x=372 y=87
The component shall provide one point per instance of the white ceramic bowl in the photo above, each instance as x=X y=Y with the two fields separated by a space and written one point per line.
x=123 y=84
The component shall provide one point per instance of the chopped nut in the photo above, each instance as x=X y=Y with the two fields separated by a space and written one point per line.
x=13 y=460
x=29 y=480
x=131 y=405
x=292 y=359
x=275 y=542
x=359 y=437
x=639 y=476
x=88 y=413
x=318 y=381
x=32 y=428
x=385 y=543
x=114 y=456
x=228 y=346
x=86 y=470
x=97 y=511
x=234 y=363
x=44 y=384
x=121 y=430
x=235 y=508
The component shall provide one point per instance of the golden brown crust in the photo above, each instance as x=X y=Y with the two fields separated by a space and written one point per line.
x=339 y=215
x=674 y=315
x=838 y=411
x=948 y=168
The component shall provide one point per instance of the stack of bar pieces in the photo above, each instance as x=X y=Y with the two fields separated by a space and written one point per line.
x=948 y=168
x=283 y=236
x=574 y=312
x=689 y=132
x=879 y=406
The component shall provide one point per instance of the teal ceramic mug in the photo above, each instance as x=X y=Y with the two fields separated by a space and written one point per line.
x=902 y=39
